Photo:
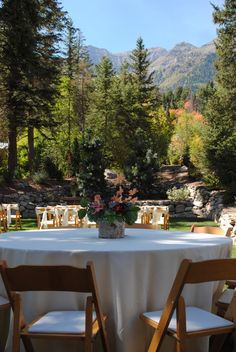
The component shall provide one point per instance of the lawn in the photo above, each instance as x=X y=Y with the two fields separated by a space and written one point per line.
x=176 y=224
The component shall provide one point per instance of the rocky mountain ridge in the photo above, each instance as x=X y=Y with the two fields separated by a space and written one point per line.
x=184 y=65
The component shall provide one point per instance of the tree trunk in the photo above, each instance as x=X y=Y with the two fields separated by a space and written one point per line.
x=31 y=149
x=12 y=151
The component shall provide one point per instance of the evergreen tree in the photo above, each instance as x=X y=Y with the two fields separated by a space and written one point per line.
x=29 y=62
x=146 y=94
x=47 y=65
x=91 y=179
x=220 y=139
x=142 y=165
x=140 y=67
x=102 y=102
x=17 y=19
x=203 y=95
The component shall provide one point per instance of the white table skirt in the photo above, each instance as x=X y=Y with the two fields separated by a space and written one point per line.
x=134 y=274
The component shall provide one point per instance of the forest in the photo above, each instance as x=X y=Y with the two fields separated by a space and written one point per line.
x=62 y=117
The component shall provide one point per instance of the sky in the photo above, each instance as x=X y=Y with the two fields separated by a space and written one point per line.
x=116 y=24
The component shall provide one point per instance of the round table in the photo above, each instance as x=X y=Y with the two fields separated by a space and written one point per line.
x=134 y=274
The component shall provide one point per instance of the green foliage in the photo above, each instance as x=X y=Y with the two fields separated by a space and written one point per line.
x=91 y=177
x=51 y=169
x=40 y=177
x=177 y=194
x=140 y=65
x=220 y=139
x=142 y=165
x=203 y=95
x=75 y=157
x=29 y=66
x=175 y=99
x=102 y=106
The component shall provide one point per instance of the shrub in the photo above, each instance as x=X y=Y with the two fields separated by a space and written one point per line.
x=91 y=179
x=178 y=193
x=40 y=177
x=51 y=169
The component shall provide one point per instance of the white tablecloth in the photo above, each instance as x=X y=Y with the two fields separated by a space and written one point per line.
x=134 y=274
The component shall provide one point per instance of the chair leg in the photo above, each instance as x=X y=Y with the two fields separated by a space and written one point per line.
x=88 y=346
x=27 y=344
x=217 y=342
x=180 y=346
x=4 y=326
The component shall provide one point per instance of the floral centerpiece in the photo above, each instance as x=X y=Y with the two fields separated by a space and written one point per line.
x=111 y=213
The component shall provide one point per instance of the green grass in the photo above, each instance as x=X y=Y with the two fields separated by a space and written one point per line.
x=234 y=252
x=176 y=224
x=183 y=224
x=27 y=224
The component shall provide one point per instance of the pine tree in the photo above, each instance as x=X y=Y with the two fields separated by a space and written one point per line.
x=29 y=68
x=91 y=179
x=16 y=46
x=102 y=101
x=140 y=67
x=220 y=140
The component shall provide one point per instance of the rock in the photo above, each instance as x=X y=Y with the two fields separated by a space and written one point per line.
x=198 y=203
x=179 y=208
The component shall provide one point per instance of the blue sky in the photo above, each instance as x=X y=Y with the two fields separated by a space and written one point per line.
x=116 y=24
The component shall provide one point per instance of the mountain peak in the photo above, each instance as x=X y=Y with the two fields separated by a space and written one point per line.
x=183 y=65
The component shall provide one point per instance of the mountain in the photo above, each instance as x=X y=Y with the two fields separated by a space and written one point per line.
x=184 y=65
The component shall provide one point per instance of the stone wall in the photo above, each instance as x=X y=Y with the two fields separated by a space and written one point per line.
x=28 y=200
x=204 y=202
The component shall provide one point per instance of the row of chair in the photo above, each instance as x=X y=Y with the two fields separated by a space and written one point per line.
x=156 y=217
x=9 y=213
x=150 y=217
x=57 y=216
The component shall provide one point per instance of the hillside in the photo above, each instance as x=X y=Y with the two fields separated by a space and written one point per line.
x=184 y=65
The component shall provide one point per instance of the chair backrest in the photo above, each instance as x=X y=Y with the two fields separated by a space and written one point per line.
x=49 y=278
x=52 y=278
x=211 y=230
x=193 y=273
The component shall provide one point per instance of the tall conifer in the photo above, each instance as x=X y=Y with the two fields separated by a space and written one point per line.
x=220 y=140
x=30 y=31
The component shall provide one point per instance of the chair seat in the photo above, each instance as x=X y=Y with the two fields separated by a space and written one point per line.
x=3 y=301
x=61 y=322
x=196 y=319
x=227 y=296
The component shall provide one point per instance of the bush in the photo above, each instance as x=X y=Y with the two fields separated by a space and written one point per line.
x=51 y=169
x=91 y=179
x=178 y=193
x=40 y=177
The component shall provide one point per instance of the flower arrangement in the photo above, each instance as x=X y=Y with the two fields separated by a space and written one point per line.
x=120 y=207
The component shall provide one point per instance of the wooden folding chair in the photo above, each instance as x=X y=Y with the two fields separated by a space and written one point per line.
x=4 y=321
x=211 y=230
x=83 y=325
x=227 y=295
x=13 y=214
x=183 y=322
x=47 y=217
x=161 y=217
x=3 y=219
